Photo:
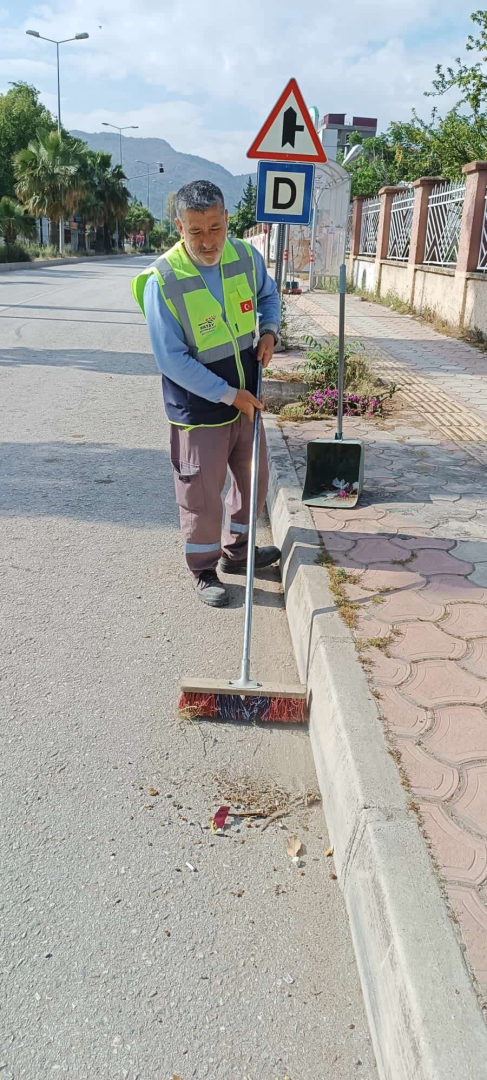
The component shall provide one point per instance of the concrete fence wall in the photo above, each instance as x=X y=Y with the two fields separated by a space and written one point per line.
x=456 y=293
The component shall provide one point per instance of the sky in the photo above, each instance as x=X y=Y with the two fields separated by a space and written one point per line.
x=204 y=74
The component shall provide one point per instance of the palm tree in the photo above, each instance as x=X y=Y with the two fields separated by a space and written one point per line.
x=106 y=198
x=15 y=222
x=49 y=178
x=138 y=219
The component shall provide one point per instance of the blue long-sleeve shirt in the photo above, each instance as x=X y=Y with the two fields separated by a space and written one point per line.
x=170 y=347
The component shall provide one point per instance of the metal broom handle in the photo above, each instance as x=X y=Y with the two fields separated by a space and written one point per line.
x=249 y=588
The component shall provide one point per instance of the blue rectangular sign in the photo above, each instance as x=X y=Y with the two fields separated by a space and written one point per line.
x=284 y=192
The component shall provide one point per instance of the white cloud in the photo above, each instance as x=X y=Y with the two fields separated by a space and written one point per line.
x=234 y=59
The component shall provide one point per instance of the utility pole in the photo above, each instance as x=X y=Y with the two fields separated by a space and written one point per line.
x=54 y=41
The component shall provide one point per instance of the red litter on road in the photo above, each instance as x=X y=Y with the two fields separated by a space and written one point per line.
x=217 y=823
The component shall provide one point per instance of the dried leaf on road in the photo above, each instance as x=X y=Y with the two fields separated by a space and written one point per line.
x=333 y=877
x=153 y=791
x=294 y=847
x=328 y=852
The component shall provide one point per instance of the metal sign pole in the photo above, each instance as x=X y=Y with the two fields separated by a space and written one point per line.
x=287 y=231
x=279 y=256
x=341 y=349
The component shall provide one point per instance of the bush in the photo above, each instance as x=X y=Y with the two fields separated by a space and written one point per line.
x=14 y=253
x=321 y=365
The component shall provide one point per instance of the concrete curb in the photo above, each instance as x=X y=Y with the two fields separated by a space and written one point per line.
x=425 y=1020
x=38 y=264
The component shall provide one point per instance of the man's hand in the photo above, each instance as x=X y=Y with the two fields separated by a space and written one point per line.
x=246 y=402
x=265 y=349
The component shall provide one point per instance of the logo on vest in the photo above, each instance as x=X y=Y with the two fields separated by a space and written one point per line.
x=246 y=305
x=207 y=325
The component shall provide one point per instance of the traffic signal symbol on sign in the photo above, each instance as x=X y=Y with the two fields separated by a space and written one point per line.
x=284 y=192
x=288 y=133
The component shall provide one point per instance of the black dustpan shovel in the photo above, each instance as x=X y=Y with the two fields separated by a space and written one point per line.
x=335 y=467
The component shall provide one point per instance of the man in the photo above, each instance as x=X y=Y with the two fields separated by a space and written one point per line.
x=201 y=300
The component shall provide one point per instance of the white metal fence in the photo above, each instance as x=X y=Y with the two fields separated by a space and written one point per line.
x=482 y=263
x=400 y=226
x=445 y=206
x=348 y=236
x=370 y=226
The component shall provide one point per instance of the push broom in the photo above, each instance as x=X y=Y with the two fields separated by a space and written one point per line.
x=244 y=698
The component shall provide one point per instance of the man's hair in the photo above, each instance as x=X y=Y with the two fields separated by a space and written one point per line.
x=198 y=195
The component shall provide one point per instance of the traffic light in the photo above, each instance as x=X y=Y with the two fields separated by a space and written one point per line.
x=161 y=167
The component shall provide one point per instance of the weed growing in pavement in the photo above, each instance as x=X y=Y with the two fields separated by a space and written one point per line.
x=339 y=577
x=407 y=559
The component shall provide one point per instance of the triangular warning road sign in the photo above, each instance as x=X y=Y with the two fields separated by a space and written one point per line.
x=288 y=133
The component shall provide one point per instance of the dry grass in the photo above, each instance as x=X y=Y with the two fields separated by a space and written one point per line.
x=338 y=578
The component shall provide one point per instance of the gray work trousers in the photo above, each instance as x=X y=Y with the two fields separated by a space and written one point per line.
x=200 y=458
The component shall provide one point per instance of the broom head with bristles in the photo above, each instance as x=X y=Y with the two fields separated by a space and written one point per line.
x=268 y=702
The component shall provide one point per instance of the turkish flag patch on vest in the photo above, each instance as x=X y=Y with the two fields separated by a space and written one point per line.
x=246 y=305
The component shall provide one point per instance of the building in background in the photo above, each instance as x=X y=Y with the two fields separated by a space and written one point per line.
x=334 y=131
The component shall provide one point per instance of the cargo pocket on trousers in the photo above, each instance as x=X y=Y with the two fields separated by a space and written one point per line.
x=190 y=492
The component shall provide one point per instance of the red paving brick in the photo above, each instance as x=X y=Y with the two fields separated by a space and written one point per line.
x=417 y=542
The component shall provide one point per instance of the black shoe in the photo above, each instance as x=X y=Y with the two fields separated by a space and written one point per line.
x=210 y=589
x=264 y=556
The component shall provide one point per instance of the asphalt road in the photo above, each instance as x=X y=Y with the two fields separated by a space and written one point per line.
x=135 y=943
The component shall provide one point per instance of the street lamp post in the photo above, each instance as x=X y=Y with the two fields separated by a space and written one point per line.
x=53 y=41
x=148 y=165
x=159 y=182
x=128 y=127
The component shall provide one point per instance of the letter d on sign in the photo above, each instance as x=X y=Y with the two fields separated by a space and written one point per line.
x=277 y=204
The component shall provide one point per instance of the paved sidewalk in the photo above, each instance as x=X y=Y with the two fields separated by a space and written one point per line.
x=415 y=559
x=447 y=375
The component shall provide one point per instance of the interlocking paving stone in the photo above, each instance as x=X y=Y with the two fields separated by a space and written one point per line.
x=419 y=640
x=428 y=776
x=463 y=857
x=470 y=805
x=458 y=734
x=402 y=716
x=467 y=620
x=443 y=682
x=417 y=543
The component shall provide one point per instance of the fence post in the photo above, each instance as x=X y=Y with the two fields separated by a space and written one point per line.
x=355 y=234
x=422 y=191
x=386 y=195
x=475 y=174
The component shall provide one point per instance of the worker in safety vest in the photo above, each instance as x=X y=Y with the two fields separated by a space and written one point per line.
x=201 y=300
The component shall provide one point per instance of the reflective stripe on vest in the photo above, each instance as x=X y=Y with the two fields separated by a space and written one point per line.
x=185 y=291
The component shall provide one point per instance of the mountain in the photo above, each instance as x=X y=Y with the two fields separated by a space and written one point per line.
x=179 y=168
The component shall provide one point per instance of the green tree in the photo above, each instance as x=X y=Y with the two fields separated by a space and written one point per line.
x=470 y=81
x=138 y=219
x=161 y=237
x=439 y=146
x=49 y=177
x=21 y=117
x=244 y=216
x=105 y=199
x=14 y=222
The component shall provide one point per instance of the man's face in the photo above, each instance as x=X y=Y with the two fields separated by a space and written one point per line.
x=204 y=234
